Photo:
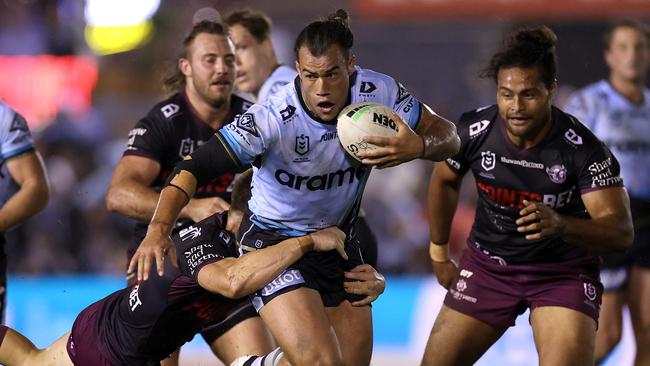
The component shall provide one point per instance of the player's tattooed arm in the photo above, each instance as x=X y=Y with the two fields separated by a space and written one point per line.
x=439 y=137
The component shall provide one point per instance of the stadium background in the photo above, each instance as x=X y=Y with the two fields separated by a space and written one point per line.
x=83 y=72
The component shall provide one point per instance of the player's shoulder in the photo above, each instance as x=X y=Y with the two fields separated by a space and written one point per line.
x=593 y=93
x=574 y=133
x=477 y=121
x=371 y=83
x=166 y=111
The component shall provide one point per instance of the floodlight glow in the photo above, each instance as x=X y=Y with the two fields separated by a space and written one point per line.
x=111 y=13
x=109 y=40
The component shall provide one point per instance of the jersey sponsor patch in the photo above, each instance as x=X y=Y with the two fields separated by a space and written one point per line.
x=287 y=113
x=169 y=110
x=476 y=128
x=134 y=298
x=199 y=253
x=190 y=232
x=132 y=135
x=246 y=122
x=186 y=148
x=367 y=87
x=573 y=137
x=287 y=278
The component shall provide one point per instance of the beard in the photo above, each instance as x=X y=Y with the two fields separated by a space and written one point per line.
x=216 y=100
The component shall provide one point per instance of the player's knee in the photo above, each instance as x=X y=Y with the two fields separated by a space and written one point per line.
x=315 y=356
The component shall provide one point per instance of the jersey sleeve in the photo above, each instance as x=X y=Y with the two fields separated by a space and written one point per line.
x=16 y=138
x=600 y=170
x=460 y=163
x=200 y=244
x=251 y=134
x=148 y=138
x=407 y=106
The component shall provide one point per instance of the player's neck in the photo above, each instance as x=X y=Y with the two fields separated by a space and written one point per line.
x=214 y=116
x=631 y=90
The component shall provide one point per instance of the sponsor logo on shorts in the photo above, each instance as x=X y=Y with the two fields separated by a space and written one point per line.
x=258 y=243
x=590 y=291
x=225 y=237
x=460 y=296
x=477 y=128
x=190 y=232
x=285 y=279
x=465 y=273
x=488 y=160
x=461 y=285
x=557 y=173
x=134 y=298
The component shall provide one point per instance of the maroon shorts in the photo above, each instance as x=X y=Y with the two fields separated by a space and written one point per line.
x=496 y=294
x=83 y=343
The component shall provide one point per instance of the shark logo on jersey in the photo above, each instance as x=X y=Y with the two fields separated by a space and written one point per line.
x=488 y=160
x=287 y=113
x=302 y=144
x=573 y=137
x=169 y=110
x=18 y=124
x=367 y=87
x=557 y=173
x=402 y=94
x=478 y=127
x=187 y=146
x=246 y=122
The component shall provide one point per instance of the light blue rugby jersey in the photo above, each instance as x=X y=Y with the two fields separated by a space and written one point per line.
x=15 y=139
x=281 y=76
x=302 y=179
x=623 y=126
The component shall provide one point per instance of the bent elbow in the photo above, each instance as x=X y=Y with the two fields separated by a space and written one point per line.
x=112 y=200
x=235 y=287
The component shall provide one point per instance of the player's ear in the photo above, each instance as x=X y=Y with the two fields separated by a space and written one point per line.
x=298 y=67
x=184 y=66
x=352 y=60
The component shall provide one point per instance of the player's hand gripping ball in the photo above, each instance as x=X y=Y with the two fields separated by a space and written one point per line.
x=364 y=119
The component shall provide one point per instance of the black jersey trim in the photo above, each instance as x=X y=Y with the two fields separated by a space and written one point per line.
x=228 y=149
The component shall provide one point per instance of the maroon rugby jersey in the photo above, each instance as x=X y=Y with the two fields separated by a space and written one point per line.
x=569 y=161
x=168 y=133
x=144 y=323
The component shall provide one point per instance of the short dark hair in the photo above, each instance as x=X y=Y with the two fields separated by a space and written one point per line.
x=625 y=23
x=174 y=80
x=321 y=34
x=255 y=22
x=528 y=47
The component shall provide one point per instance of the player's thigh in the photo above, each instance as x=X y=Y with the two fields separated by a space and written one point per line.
x=299 y=324
x=353 y=327
x=54 y=355
x=563 y=336
x=639 y=301
x=610 y=323
x=248 y=337
x=458 y=339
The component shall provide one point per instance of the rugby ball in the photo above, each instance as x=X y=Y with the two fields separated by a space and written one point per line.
x=364 y=119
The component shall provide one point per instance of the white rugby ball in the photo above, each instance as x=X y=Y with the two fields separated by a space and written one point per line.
x=364 y=119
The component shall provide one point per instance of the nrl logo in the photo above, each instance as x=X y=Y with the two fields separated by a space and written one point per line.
x=302 y=144
x=488 y=160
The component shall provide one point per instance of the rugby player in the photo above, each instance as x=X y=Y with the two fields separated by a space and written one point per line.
x=145 y=322
x=550 y=197
x=617 y=110
x=303 y=181
x=23 y=183
x=202 y=82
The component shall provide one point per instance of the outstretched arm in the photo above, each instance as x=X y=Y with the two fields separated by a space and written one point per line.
x=237 y=277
